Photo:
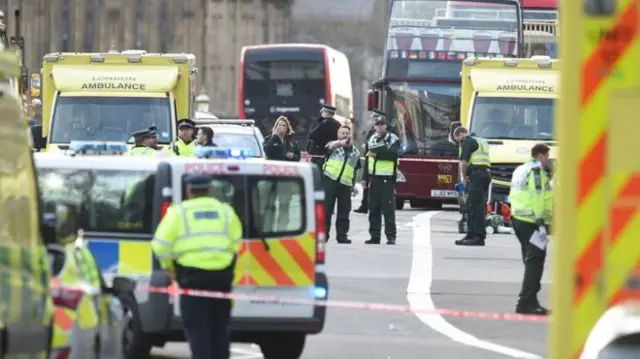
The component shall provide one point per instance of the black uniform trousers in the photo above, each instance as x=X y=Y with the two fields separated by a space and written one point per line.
x=382 y=203
x=206 y=320
x=335 y=191
x=533 y=258
x=478 y=182
x=365 y=199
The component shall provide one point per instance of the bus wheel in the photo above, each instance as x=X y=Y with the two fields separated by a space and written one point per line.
x=282 y=345
x=399 y=204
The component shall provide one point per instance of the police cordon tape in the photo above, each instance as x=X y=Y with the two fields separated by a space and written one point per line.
x=378 y=307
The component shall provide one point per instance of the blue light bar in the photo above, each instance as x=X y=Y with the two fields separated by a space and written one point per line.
x=221 y=153
x=98 y=147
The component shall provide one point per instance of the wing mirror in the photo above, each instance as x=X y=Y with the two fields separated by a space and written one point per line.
x=452 y=128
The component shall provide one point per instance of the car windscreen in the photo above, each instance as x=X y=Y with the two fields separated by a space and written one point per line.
x=109 y=118
x=267 y=206
x=517 y=118
x=244 y=141
x=109 y=201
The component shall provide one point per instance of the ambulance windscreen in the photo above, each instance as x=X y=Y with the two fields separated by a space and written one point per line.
x=513 y=118
x=109 y=118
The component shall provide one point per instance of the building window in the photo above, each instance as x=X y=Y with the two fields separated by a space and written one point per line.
x=89 y=27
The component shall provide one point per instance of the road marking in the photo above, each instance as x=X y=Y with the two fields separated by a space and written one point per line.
x=419 y=293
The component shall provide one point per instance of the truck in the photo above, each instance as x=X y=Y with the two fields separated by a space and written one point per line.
x=108 y=96
x=510 y=103
x=541 y=27
x=427 y=41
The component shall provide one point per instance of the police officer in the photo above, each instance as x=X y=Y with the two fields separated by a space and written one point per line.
x=381 y=167
x=475 y=173
x=145 y=142
x=531 y=207
x=197 y=243
x=343 y=160
x=364 y=204
x=325 y=132
x=185 y=144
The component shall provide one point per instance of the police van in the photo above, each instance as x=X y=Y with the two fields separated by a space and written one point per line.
x=281 y=206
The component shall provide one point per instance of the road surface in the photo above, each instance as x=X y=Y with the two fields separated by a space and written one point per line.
x=425 y=269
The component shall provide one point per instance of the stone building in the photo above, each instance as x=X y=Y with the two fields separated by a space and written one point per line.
x=213 y=30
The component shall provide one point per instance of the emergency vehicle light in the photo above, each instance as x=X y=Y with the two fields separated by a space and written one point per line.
x=97 y=147
x=97 y=58
x=51 y=58
x=220 y=153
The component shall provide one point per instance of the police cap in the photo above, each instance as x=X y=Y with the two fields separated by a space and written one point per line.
x=186 y=123
x=328 y=108
x=150 y=132
x=198 y=181
x=378 y=116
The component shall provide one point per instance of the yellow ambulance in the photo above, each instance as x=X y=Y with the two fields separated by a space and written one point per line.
x=108 y=96
x=510 y=103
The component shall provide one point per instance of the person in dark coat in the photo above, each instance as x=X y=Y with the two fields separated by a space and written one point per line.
x=280 y=146
x=205 y=137
x=364 y=205
x=325 y=132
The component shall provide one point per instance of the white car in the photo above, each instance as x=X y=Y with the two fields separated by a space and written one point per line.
x=240 y=134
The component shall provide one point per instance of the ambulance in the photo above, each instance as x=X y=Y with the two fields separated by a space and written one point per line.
x=510 y=103
x=283 y=252
x=108 y=96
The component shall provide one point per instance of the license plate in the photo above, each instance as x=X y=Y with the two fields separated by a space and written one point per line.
x=443 y=193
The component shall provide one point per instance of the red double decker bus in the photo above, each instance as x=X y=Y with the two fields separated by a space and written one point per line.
x=540 y=20
x=293 y=80
x=420 y=86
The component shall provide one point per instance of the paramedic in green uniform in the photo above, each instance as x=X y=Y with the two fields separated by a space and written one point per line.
x=145 y=142
x=342 y=162
x=475 y=171
x=380 y=170
x=531 y=198
x=197 y=242
x=186 y=144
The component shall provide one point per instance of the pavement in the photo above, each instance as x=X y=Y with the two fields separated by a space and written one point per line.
x=426 y=271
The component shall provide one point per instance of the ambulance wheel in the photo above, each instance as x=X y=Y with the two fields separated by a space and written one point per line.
x=135 y=344
x=282 y=345
x=399 y=204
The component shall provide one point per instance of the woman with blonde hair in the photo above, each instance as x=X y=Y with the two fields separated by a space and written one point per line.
x=280 y=146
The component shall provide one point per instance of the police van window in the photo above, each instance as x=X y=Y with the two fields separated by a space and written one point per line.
x=109 y=201
x=513 y=118
x=277 y=206
x=109 y=118
x=267 y=207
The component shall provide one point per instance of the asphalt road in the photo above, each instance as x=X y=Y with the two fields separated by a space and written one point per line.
x=425 y=270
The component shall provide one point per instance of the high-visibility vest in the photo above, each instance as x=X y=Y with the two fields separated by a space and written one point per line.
x=180 y=148
x=201 y=233
x=142 y=151
x=480 y=157
x=377 y=167
x=342 y=167
x=531 y=194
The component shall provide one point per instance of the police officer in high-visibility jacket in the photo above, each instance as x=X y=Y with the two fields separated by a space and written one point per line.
x=197 y=241
x=381 y=168
x=343 y=160
x=185 y=145
x=531 y=209
x=145 y=142
x=475 y=171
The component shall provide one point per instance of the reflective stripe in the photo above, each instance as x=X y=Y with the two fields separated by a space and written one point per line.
x=480 y=157
x=340 y=167
x=190 y=235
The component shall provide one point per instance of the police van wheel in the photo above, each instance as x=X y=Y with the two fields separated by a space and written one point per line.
x=135 y=344
x=282 y=345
